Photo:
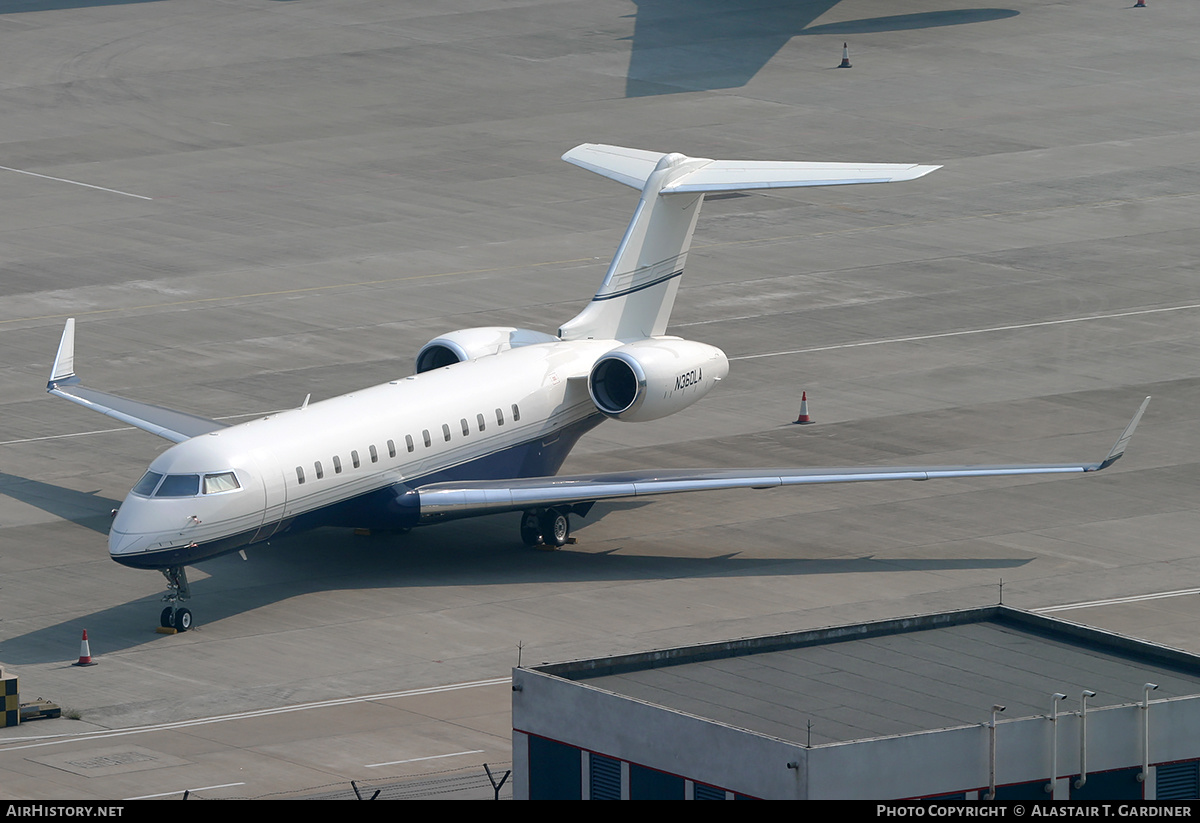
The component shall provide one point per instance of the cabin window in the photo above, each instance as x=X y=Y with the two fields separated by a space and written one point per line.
x=320 y=471
x=446 y=432
x=222 y=482
x=354 y=458
x=179 y=485
x=391 y=448
x=374 y=455
x=147 y=483
x=300 y=475
x=479 y=420
x=337 y=465
x=516 y=413
x=465 y=427
x=408 y=442
x=499 y=417
x=428 y=441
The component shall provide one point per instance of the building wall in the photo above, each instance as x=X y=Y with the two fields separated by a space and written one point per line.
x=917 y=765
x=668 y=741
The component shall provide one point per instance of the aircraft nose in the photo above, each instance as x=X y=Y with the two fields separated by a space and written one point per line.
x=121 y=544
x=128 y=533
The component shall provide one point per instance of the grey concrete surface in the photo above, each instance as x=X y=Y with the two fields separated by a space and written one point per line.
x=331 y=183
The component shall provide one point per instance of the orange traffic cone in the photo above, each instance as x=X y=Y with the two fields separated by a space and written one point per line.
x=845 y=64
x=85 y=652
x=803 y=416
x=1140 y=4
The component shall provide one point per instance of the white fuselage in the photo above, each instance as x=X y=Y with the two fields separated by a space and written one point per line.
x=301 y=462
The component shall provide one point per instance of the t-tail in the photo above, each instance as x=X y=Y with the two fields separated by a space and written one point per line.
x=635 y=300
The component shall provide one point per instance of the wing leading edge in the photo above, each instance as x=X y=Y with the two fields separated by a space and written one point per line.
x=464 y=499
x=169 y=424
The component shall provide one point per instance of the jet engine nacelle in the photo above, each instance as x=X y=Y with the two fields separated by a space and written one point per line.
x=471 y=344
x=653 y=378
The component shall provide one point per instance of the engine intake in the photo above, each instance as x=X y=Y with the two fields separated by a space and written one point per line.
x=471 y=344
x=654 y=378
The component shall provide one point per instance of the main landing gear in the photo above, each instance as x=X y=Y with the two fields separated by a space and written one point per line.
x=549 y=528
x=173 y=617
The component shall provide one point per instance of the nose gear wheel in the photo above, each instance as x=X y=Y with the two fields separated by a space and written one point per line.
x=174 y=617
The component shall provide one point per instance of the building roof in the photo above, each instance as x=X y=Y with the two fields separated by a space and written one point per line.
x=894 y=677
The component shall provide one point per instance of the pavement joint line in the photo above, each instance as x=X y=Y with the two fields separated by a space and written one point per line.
x=964 y=332
x=812 y=350
x=1116 y=601
x=181 y=791
x=421 y=759
x=303 y=290
x=76 y=183
x=124 y=429
x=570 y=261
x=17 y=744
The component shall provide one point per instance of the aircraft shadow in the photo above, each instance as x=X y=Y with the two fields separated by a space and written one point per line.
x=903 y=22
x=702 y=45
x=26 y=6
x=86 y=509
x=693 y=45
x=466 y=553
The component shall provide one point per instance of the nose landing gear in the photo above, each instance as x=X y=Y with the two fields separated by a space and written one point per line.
x=173 y=617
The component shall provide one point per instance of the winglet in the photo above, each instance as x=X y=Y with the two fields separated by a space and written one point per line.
x=1119 y=448
x=64 y=362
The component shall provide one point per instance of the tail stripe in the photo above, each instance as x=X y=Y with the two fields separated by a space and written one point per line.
x=632 y=289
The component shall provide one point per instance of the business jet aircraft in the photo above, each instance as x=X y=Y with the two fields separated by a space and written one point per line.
x=490 y=414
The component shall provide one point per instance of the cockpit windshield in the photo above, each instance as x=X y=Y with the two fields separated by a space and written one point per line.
x=154 y=484
x=179 y=485
x=147 y=484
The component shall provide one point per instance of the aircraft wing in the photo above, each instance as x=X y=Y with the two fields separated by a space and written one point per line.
x=481 y=496
x=172 y=425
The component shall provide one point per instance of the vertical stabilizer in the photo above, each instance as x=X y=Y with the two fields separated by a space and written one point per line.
x=635 y=300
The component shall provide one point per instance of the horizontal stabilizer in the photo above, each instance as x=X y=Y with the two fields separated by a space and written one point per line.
x=168 y=424
x=629 y=166
x=728 y=175
x=633 y=167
